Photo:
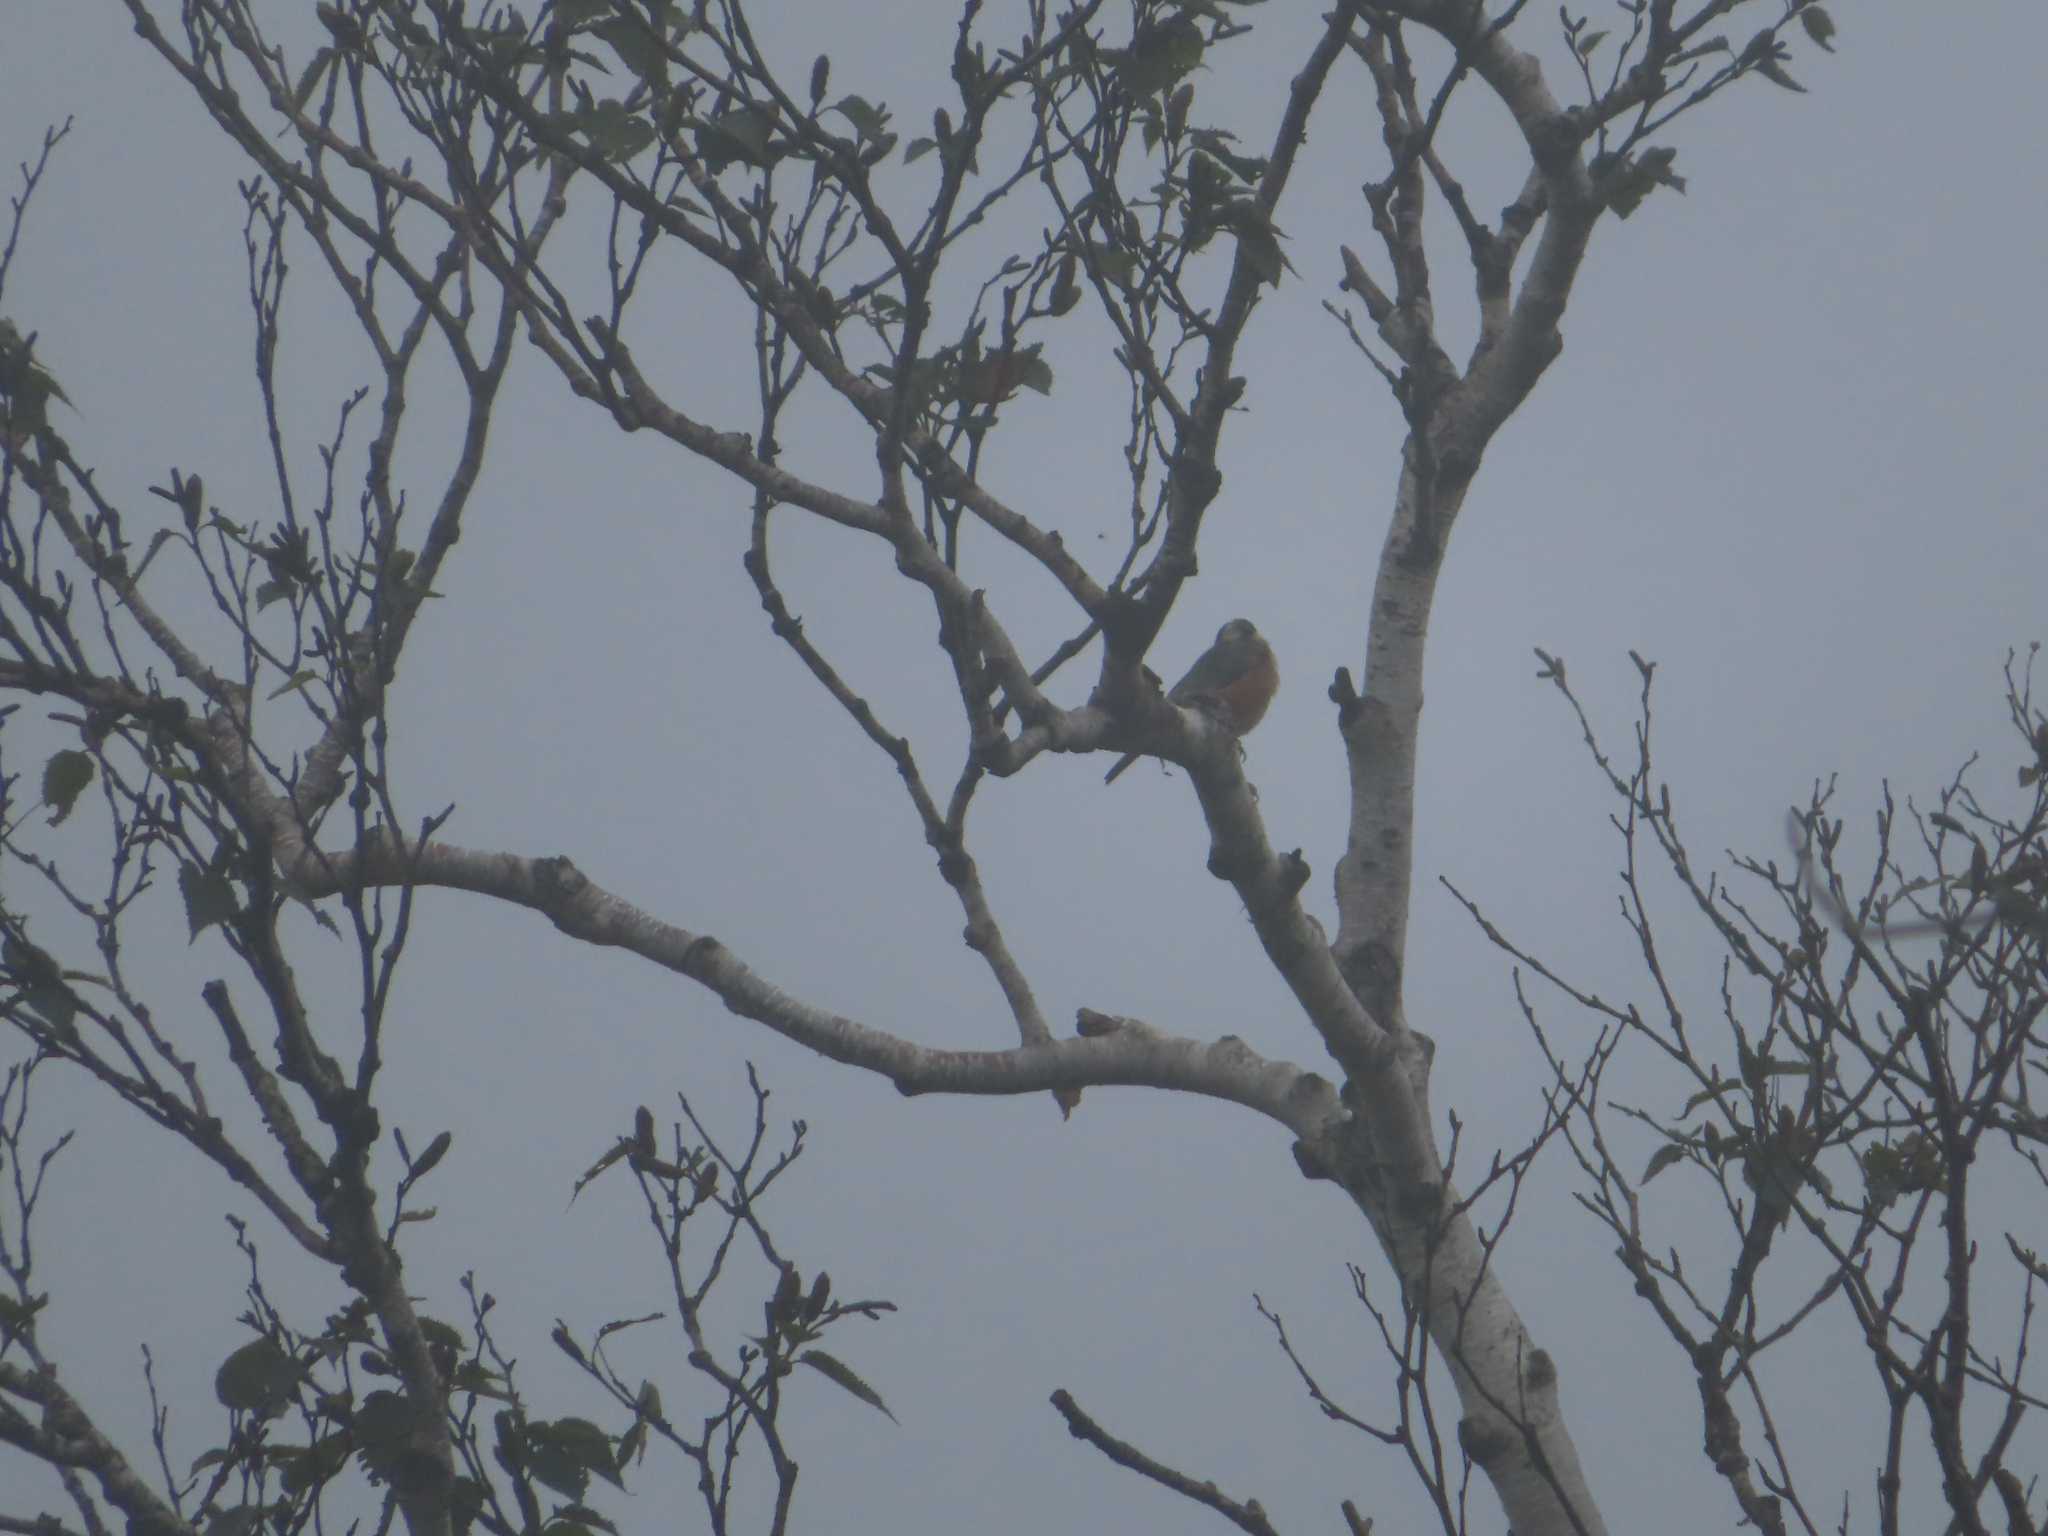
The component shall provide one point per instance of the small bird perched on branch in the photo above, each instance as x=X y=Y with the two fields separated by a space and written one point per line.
x=1234 y=680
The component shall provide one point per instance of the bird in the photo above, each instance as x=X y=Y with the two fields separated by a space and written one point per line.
x=1234 y=680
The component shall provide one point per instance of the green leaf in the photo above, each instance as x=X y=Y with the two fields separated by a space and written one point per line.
x=1705 y=1096
x=632 y=1444
x=1766 y=55
x=1113 y=262
x=917 y=149
x=65 y=776
x=258 y=1378
x=574 y=13
x=383 y=1430
x=242 y=1520
x=314 y=1464
x=436 y=1150
x=554 y=1463
x=1820 y=26
x=209 y=899
x=309 y=77
x=157 y=541
x=869 y=119
x=438 y=1333
x=1261 y=244
x=1628 y=181
x=41 y=980
x=835 y=1370
x=739 y=136
x=590 y=1446
x=638 y=46
x=26 y=386
x=1215 y=143
x=17 y=1315
x=1158 y=56
x=298 y=680
x=614 y=131
x=1663 y=1158
x=623 y=1146
x=478 y=1380
x=995 y=376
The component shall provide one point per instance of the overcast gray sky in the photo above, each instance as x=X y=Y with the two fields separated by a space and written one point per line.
x=1793 y=452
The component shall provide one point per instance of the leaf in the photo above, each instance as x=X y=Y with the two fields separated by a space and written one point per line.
x=558 y=1461
x=309 y=77
x=632 y=1444
x=738 y=136
x=383 y=1433
x=869 y=120
x=637 y=45
x=1261 y=244
x=1820 y=26
x=1215 y=143
x=614 y=131
x=1158 y=56
x=834 y=1370
x=623 y=1146
x=436 y=1150
x=1627 y=183
x=17 y=1315
x=188 y=495
x=157 y=541
x=271 y=592
x=242 y=1520
x=821 y=73
x=1115 y=263
x=297 y=681
x=65 y=776
x=1707 y=1095
x=1585 y=45
x=917 y=149
x=316 y=1463
x=993 y=378
x=479 y=1381
x=209 y=899
x=442 y=1336
x=258 y=1378
x=1764 y=54
x=579 y=1517
x=1066 y=290
x=590 y=1446
x=1663 y=1158
x=1779 y=77
x=26 y=386
x=41 y=981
